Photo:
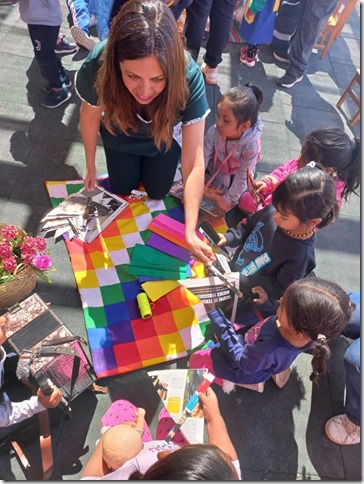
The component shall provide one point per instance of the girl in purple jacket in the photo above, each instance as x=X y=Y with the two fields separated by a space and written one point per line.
x=312 y=311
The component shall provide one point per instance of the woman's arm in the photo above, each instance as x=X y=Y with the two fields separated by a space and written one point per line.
x=90 y=119
x=193 y=172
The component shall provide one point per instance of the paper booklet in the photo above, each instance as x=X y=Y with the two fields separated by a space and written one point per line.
x=213 y=290
x=175 y=388
x=207 y=205
x=84 y=214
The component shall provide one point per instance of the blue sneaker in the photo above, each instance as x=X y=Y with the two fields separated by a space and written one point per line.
x=56 y=97
x=66 y=83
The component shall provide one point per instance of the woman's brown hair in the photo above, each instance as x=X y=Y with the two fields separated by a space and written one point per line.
x=143 y=28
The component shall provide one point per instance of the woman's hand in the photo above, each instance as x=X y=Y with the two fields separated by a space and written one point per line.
x=262 y=295
x=200 y=249
x=89 y=179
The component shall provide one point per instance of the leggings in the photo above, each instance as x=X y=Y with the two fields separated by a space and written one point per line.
x=155 y=173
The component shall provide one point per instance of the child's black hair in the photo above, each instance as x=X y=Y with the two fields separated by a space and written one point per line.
x=332 y=147
x=244 y=102
x=319 y=309
x=198 y=462
x=308 y=193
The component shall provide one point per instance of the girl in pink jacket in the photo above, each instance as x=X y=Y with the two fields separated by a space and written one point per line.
x=332 y=148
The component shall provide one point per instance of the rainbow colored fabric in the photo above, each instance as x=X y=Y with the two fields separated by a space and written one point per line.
x=119 y=339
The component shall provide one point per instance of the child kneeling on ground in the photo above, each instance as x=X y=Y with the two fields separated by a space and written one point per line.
x=311 y=312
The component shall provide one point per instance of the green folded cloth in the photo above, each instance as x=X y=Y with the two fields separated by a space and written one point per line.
x=147 y=261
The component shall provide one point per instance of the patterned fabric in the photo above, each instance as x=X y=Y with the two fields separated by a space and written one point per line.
x=120 y=340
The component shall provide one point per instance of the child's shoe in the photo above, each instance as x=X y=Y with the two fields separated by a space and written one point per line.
x=66 y=83
x=341 y=430
x=248 y=61
x=56 y=97
x=210 y=73
x=64 y=46
x=81 y=38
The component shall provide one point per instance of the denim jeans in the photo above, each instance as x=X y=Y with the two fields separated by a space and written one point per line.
x=80 y=14
x=312 y=17
x=44 y=39
x=221 y=18
x=352 y=329
x=352 y=367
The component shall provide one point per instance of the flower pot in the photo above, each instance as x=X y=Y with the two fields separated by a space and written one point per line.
x=18 y=287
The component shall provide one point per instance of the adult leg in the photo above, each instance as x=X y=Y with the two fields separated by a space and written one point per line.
x=312 y=17
x=124 y=170
x=157 y=173
x=221 y=19
x=352 y=367
x=352 y=329
x=196 y=18
x=80 y=14
x=44 y=39
x=285 y=25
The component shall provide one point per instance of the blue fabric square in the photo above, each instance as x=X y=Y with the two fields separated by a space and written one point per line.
x=98 y=338
x=115 y=313
x=121 y=333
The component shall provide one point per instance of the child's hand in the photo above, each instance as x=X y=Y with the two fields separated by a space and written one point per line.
x=261 y=185
x=140 y=413
x=210 y=405
x=262 y=295
x=222 y=240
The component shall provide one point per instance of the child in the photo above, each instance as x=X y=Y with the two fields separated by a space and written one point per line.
x=333 y=149
x=311 y=312
x=80 y=30
x=257 y=28
x=232 y=145
x=122 y=442
x=44 y=20
x=276 y=245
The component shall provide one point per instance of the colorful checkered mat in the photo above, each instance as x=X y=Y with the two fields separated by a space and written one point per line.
x=120 y=341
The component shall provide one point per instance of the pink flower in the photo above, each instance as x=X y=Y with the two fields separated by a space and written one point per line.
x=28 y=243
x=28 y=256
x=42 y=262
x=5 y=250
x=40 y=243
x=9 y=232
x=10 y=264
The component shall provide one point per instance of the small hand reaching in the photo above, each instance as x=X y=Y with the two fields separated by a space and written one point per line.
x=262 y=295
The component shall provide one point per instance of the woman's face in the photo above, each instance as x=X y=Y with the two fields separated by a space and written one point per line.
x=144 y=78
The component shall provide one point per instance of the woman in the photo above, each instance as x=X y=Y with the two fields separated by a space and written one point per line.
x=141 y=90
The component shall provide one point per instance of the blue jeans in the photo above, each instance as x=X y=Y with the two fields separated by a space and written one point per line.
x=221 y=18
x=44 y=39
x=352 y=329
x=80 y=14
x=312 y=17
x=352 y=367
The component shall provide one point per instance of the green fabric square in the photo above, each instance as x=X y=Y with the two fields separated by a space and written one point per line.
x=95 y=317
x=123 y=271
x=112 y=294
x=145 y=234
x=74 y=188
x=206 y=330
x=172 y=202
x=55 y=201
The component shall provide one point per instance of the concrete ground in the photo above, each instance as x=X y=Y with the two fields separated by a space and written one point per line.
x=278 y=434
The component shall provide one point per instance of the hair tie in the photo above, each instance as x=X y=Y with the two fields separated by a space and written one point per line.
x=321 y=338
x=311 y=164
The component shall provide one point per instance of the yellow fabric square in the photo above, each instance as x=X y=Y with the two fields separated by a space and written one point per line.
x=184 y=318
x=153 y=361
x=157 y=289
x=127 y=226
x=139 y=209
x=86 y=279
x=101 y=260
x=171 y=344
x=114 y=243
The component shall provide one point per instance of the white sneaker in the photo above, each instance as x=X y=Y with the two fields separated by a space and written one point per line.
x=81 y=38
x=210 y=73
x=341 y=430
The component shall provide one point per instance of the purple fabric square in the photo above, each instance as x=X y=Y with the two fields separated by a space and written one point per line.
x=170 y=248
x=103 y=359
x=133 y=309
x=121 y=333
